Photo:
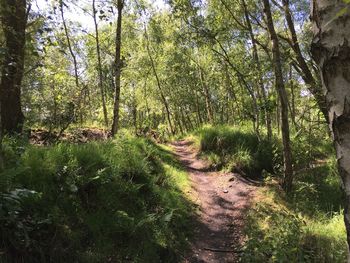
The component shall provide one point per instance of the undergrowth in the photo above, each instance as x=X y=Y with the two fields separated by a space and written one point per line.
x=114 y=201
x=237 y=149
x=305 y=226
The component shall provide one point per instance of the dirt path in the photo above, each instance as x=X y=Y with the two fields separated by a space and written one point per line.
x=222 y=200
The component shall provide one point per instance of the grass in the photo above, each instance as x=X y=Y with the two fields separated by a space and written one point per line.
x=114 y=201
x=236 y=149
x=306 y=225
x=284 y=228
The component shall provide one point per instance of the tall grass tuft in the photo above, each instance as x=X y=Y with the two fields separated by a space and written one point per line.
x=236 y=149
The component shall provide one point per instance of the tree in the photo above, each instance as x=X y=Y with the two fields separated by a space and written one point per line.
x=164 y=100
x=118 y=68
x=99 y=64
x=75 y=65
x=305 y=72
x=13 y=19
x=257 y=65
x=279 y=82
x=331 y=51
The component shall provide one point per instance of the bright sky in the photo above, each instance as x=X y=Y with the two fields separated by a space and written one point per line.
x=77 y=14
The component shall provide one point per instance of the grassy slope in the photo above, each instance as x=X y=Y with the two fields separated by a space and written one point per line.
x=307 y=225
x=115 y=201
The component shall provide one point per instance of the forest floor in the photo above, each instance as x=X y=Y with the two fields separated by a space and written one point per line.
x=222 y=200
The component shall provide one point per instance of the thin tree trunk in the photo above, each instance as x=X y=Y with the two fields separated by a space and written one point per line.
x=292 y=93
x=1 y=148
x=178 y=121
x=331 y=51
x=287 y=154
x=231 y=92
x=99 y=64
x=166 y=105
x=69 y=45
x=257 y=70
x=134 y=108
x=190 y=124
x=75 y=64
x=242 y=79
x=207 y=96
x=278 y=117
x=13 y=21
x=118 y=68
x=200 y=120
x=306 y=74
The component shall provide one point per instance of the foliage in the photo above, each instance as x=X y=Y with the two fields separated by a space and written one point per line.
x=94 y=203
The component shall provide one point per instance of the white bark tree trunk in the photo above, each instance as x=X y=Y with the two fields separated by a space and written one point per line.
x=331 y=51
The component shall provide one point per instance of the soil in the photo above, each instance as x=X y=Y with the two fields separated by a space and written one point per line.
x=222 y=200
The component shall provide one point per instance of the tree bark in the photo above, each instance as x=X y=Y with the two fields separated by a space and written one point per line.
x=99 y=65
x=287 y=154
x=331 y=51
x=118 y=68
x=13 y=20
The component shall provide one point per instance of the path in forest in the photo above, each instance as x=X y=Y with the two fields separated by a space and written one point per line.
x=222 y=200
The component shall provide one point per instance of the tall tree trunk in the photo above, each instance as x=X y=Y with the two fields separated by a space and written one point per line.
x=1 y=148
x=118 y=68
x=306 y=74
x=207 y=96
x=287 y=154
x=99 y=64
x=257 y=70
x=164 y=100
x=199 y=116
x=331 y=51
x=292 y=93
x=75 y=63
x=13 y=20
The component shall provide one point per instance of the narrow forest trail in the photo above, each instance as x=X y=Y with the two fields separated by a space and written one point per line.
x=222 y=200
